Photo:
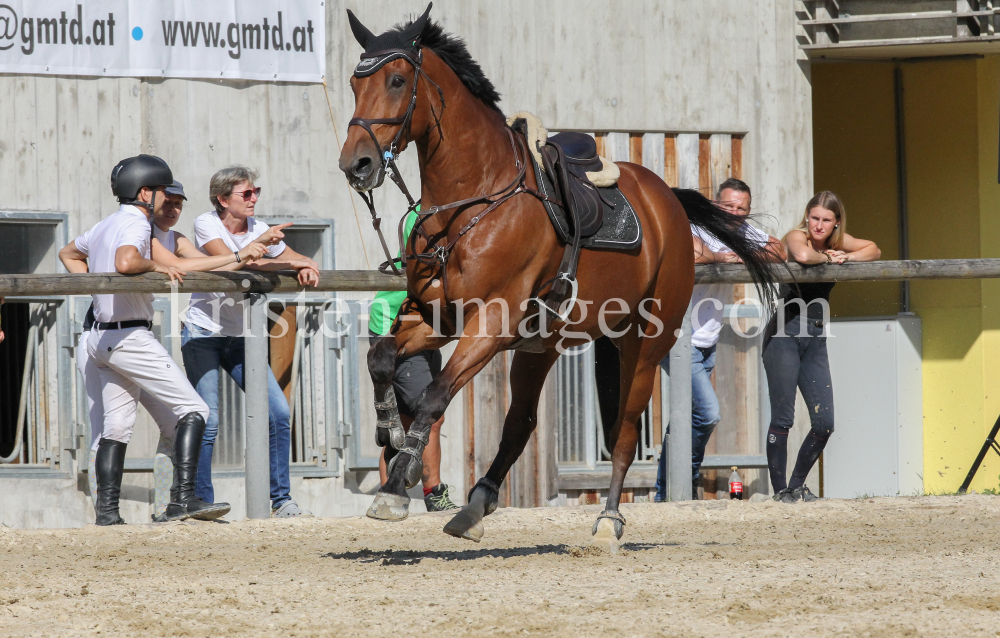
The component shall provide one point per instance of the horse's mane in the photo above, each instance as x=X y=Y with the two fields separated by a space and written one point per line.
x=453 y=52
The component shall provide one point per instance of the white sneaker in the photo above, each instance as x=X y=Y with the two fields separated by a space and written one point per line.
x=290 y=509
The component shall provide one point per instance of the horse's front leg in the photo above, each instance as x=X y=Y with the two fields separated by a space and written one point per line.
x=382 y=368
x=405 y=468
x=412 y=336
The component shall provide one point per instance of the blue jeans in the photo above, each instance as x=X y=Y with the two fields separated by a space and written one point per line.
x=204 y=352
x=704 y=414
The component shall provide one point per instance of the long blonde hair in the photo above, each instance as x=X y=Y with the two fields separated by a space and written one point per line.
x=829 y=201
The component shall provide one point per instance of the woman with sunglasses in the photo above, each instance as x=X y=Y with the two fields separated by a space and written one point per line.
x=213 y=331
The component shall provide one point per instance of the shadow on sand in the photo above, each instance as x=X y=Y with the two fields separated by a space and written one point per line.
x=413 y=557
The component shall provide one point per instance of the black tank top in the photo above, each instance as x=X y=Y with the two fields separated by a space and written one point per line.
x=807 y=292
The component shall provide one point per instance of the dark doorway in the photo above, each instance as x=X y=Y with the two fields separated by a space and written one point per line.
x=14 y=321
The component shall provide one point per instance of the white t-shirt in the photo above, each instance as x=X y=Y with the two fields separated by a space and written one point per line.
x=220 y=312
x=128 y=227
x=166 y=238
x=706 y=322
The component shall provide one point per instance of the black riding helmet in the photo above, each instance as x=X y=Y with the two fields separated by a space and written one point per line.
x=132 y=174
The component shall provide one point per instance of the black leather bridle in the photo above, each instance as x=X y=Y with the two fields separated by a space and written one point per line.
x=435 y=256
x=388 y=157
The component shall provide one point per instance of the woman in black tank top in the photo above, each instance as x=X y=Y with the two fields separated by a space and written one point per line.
x=795 y=351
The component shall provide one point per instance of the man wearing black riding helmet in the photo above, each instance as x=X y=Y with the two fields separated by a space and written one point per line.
x=127 y=357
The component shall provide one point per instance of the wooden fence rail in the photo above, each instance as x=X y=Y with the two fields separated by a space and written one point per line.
x=679 y=452
x=370 y=280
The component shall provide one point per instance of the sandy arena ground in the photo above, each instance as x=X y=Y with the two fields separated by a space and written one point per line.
x=874 y=567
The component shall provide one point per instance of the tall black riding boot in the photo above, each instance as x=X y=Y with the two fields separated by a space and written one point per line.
x=187 y=449
x=109 y=467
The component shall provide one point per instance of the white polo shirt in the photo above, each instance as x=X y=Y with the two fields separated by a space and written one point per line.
x=128 y=227
x=707 y=321
x=221 y=312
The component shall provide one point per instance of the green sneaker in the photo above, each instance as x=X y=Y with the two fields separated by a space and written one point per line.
x=438 y=500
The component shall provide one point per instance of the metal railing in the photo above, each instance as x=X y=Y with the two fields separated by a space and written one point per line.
x=826 y=25
x=315 y=401
x=581 y=430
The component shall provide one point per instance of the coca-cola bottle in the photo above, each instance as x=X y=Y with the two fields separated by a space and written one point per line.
x=735 y=485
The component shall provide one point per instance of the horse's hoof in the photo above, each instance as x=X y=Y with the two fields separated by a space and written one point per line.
x=605 y=535
x=389 y=507
x=464 y=525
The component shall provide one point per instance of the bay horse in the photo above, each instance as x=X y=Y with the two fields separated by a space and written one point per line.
x=484 y=245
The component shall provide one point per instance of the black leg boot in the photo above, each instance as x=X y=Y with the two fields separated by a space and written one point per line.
x=109 y=467
x=187 y=449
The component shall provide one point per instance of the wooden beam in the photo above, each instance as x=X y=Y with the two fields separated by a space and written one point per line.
x=108 y=283
x=670 y=160
x=369 y=280
x=635 y=148
x=652 y=152
x=737 y=154
x=705 y=166
x=868 y=271
x=720 y=161
x=637 y=477
x=686 y=154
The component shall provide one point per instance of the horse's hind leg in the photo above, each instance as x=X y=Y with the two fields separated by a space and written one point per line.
x=527 y=376
x=638 y=366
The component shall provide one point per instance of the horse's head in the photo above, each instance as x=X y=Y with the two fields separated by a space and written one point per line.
x=385 y=85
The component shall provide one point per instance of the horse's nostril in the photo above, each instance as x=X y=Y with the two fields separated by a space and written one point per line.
x=362 y=166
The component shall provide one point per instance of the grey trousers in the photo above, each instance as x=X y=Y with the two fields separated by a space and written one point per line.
x=802 y=362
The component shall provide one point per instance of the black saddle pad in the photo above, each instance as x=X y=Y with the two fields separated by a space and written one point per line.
x=620 y=229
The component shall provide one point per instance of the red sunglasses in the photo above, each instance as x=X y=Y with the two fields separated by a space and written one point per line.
x=248 y=193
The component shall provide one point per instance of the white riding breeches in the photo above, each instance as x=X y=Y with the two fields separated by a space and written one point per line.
x=162 y=415
x=124 y=367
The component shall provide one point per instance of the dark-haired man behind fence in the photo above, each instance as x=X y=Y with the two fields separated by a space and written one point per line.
x=706 y=323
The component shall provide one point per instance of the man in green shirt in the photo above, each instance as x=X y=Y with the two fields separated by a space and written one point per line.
x=412 y=375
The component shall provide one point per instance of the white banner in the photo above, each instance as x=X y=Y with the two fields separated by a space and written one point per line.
x=274 y=40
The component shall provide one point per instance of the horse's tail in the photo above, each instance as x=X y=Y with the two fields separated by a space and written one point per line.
x=729 y=229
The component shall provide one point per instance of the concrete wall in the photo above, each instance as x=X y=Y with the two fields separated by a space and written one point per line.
x=693 y=65
x=700 y=66
x=951 y=156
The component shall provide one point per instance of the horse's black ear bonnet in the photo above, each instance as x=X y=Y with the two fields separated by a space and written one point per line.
x=389 y=46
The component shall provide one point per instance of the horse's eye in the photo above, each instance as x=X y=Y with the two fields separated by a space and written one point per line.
x=397 y=82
